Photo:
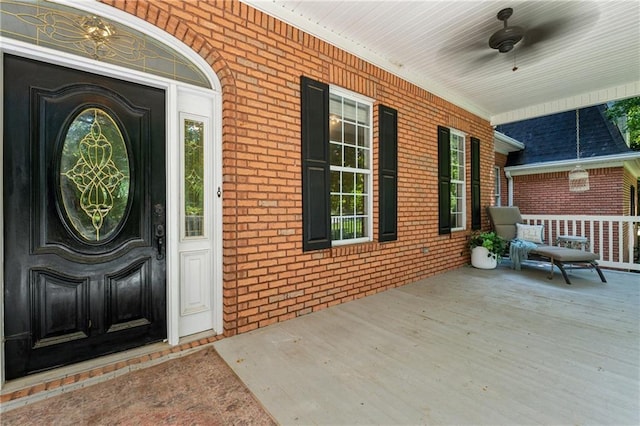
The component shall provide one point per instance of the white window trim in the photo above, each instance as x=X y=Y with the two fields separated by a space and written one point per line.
x=334 y=90
x=464 y=181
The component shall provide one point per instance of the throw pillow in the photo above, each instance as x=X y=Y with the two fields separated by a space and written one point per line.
x=533 y=233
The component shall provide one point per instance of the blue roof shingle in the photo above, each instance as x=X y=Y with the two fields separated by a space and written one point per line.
x=553 y=137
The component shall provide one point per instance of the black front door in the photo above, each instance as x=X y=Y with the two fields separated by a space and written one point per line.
x=84 y=203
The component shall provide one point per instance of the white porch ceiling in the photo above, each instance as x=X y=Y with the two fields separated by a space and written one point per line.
x=442 y=46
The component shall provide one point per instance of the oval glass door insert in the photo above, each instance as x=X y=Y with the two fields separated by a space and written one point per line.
x=94 y=168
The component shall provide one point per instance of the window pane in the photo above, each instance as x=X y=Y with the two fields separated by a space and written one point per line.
x=363 y=114
x=360 y=223
x=349 y=133
x=360 y=184
x=348 y=207
x=348 y=226
x=335 y=204
x=363 y=136
x=349 y=110
x=335 y=105
x=194 y=178
x=336 y=228
x=349 y=156
x=456 y=220
x=335 y=181
x=347 y=183
x=360 y=204
x=336 y=154
x=335 y=129
x=363 y=161
x=454 y=200
x=460 y=172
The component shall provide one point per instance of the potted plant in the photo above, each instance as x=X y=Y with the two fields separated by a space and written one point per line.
x=486 y=249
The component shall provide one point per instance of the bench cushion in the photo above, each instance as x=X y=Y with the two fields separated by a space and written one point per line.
x=563 y=254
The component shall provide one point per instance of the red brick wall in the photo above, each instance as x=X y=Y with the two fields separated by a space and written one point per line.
x=548 y=193
x=259 y=60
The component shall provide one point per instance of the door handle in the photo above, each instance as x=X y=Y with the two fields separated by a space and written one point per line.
x=160 y=241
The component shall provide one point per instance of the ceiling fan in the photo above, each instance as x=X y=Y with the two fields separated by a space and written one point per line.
x=544 y=29
x=506 y=38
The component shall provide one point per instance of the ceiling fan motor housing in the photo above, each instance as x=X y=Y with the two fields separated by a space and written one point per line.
x=505 y=38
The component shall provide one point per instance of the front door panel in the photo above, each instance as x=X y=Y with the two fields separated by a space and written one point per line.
x=84 y=195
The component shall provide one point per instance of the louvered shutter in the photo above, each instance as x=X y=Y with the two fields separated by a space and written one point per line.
x=444 y=181
x=388 y=174
x=316 y=213
x=476 y=211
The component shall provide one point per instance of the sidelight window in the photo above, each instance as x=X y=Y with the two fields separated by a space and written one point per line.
x=193 y=178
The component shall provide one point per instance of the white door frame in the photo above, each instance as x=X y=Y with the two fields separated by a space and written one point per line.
x=174 y=178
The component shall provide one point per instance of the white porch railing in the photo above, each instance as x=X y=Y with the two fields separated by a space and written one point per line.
x=614 y=238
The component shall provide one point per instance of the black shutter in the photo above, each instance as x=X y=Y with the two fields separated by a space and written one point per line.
x=444 y=181
x=316 y=213
x=476 y=211
x=388 y=177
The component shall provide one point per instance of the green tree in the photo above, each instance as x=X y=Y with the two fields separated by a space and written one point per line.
x=631 y=109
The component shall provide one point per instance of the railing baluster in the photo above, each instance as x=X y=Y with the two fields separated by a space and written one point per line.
x=620 y=242
x=591 y=240
x=630 y=241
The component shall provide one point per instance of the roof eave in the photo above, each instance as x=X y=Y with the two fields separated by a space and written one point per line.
x=630 y=160
x=505 y=144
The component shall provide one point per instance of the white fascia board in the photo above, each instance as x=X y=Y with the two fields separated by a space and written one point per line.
x=504 y=144
x=605 y=161
x=582 y=100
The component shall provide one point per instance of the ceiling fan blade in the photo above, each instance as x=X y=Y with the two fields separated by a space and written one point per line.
x=567 y=28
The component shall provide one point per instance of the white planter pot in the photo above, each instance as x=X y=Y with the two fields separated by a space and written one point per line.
x=481 y=259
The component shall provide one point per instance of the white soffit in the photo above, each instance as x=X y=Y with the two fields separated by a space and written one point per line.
x=442 y=46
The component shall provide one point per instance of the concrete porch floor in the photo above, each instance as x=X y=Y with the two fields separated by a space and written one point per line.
x=465 y=347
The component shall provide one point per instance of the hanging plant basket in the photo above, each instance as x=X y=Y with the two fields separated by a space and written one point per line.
x=578 y=177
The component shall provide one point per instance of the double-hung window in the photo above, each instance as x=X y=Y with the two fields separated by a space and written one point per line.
x=350 y=167
x=458 y=184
